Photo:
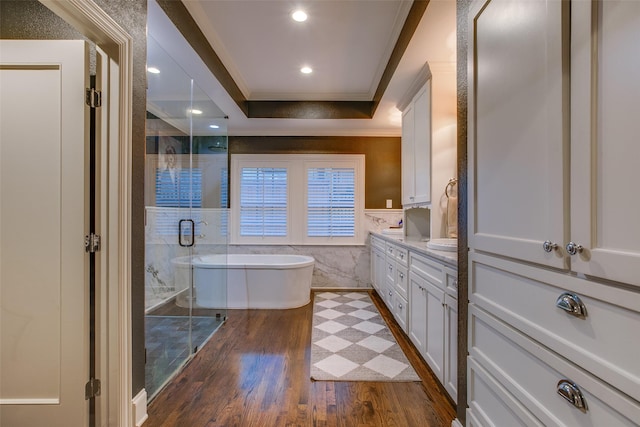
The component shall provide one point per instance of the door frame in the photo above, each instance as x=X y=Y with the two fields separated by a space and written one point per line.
x=93 y=22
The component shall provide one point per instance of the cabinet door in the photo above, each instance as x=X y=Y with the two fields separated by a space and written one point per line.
x=516 y=136
x=422 y=145
x=417 y=311
x=379 y=270
x=434 y=343
x=407 y=144
x=605 y=153
x=450 y=375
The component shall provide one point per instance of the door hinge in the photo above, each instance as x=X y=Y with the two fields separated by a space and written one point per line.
x=92 y=389
x=93 y=98
x=92 y=243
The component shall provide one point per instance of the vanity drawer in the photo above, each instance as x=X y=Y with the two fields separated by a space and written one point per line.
x=538 y=378
x=377 y=243
x=601 y=341
x=390 y=250
x=390 y=270
x=490 y=404
x=402 y=256
x=430 y=270
x=402 y=281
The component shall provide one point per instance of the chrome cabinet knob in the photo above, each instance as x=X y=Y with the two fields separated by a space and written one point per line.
x=400 y=306
x=572 y=394
x=572 y=304
x=390 y=293
x=549 y=246
x=573 y=248
x=401 y=255
x=401 y=275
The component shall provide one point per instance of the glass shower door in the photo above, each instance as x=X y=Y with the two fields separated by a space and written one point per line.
x=185 y=198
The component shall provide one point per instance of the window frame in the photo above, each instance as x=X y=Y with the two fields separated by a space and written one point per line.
x=297 y=194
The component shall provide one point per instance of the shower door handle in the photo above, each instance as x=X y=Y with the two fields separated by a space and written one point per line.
x=192 y=226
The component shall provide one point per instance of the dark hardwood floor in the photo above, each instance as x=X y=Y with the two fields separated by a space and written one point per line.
x=255 y=372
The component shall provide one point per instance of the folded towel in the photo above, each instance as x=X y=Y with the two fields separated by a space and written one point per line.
x=452 y=216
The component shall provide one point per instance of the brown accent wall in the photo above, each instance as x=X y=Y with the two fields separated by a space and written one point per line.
x=382 y=158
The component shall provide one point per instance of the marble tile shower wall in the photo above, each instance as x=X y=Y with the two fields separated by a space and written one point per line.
x=336 y=266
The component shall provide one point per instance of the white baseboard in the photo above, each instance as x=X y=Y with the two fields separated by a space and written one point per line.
x=140 y=408
x=456 y=423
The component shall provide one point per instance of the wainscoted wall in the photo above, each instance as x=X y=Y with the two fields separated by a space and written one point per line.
x=336 y=266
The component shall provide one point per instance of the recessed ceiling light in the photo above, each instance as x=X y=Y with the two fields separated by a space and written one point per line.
x=194 y=111
x=153 y=70
x=299 y=16
x=306 y=70
x=214 y=126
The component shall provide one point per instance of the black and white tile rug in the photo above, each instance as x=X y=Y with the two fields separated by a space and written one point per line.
x=351 y=342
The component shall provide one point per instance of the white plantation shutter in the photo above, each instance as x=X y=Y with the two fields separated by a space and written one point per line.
x=263 y=202
x=330 y=202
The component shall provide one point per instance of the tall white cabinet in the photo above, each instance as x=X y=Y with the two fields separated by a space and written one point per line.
x=554 y=264
x=416 y=143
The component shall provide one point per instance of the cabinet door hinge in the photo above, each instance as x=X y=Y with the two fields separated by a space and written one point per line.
x=92 y=243
x=93 y=98
x=92 y=389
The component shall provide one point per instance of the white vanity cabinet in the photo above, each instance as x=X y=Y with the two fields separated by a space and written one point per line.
x=554 y=261
x=421 y=293
x=416 y=149
x=433 y=318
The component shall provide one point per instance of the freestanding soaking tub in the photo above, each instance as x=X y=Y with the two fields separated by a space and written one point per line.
x=267 y=281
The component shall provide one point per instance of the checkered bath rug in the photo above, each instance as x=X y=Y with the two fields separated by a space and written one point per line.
x=351 y=342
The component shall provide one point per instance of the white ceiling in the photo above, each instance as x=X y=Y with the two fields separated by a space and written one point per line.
x=347 y=43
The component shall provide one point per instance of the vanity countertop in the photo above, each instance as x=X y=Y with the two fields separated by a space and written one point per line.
x=450 y=258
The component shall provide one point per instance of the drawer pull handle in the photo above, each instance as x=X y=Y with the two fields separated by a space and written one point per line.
x=401 y=255
x=573 y=248
x=400 y=306
x=549 y=246
x=572 y=394
x=572 y=304
x=401 y=276
x=390 y=293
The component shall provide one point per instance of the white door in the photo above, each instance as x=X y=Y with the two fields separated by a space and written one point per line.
x=417 y=312
x=422 y=145
x=407 y=142
x=517 y=137
x=434 y=341
x=605 y=153
x=43 y=220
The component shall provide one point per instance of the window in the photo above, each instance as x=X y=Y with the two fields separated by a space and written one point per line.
x=263 y=202
x=314 y=199
x=331 y=202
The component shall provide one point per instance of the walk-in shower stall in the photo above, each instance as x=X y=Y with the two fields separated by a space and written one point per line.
x=186 y=194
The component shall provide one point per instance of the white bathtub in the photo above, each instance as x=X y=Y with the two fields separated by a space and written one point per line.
x=252 y=281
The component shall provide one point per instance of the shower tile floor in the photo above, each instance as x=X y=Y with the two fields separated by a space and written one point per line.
x=168 y=346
